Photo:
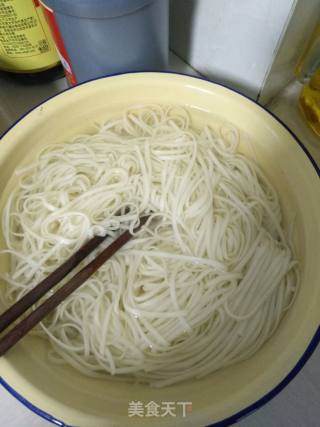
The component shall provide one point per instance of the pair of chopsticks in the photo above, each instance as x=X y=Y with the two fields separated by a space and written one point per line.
x=20 y=307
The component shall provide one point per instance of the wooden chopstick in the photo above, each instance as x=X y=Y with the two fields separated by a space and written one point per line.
x=23 y=327
x=48 y=283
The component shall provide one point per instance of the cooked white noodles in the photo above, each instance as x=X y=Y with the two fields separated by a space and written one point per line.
x=201 y=287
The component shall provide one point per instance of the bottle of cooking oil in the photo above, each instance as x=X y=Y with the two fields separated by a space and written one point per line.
x=310 y=102
x=308 y=72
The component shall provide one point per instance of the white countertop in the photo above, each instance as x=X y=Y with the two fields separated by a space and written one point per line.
x=298 y=405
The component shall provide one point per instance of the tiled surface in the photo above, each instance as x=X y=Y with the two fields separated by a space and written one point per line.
x=299 y=404
x=260 y=52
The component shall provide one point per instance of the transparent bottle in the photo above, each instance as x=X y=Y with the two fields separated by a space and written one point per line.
x=310 y=102
x=308 y=72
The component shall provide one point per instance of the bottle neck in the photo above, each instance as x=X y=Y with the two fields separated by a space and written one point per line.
x=309 y=62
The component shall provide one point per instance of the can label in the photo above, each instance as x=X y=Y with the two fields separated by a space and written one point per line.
x=61 y=49
x=25 y=40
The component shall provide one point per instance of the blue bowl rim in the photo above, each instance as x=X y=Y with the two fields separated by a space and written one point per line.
x=315 y=339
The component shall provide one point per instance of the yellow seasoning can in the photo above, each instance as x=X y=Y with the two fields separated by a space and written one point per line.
x=26 y=44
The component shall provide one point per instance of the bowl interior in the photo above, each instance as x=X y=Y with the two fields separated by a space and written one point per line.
x=78 y=400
